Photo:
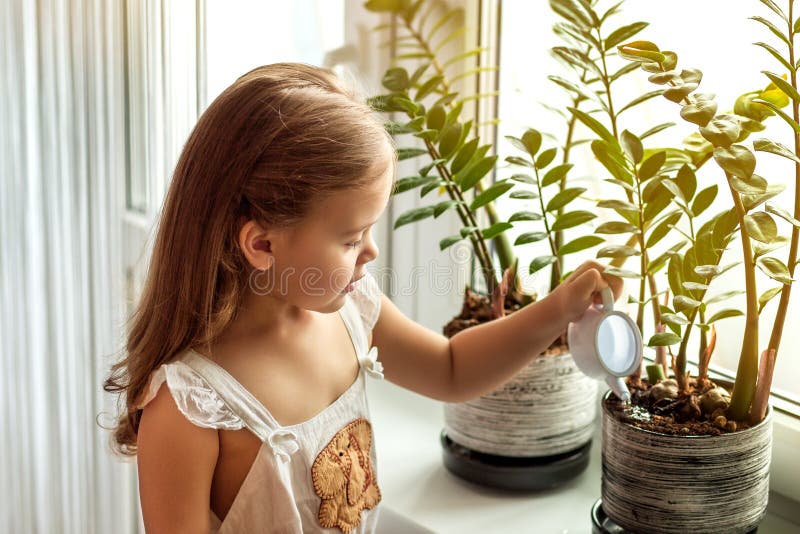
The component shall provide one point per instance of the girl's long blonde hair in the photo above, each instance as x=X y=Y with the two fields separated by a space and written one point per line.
x=276 y=141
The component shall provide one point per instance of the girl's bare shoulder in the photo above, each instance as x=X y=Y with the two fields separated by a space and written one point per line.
x=176 y=461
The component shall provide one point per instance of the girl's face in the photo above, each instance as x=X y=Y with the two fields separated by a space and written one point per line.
x=321 y=258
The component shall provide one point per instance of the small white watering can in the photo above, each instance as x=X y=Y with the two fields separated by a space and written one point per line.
x=606 y=344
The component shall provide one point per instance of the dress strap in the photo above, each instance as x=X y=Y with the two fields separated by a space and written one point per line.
x=235 y=396
x=367 y=357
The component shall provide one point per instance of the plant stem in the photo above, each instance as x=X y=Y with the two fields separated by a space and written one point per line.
x=747 y=372
x=544 y=217
x=467 y=218
x=783 y=304
x=504 y=249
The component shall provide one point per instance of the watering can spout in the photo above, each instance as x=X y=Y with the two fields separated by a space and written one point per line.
x=620 y=389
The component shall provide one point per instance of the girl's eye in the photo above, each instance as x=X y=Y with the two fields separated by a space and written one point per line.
x=355 y=244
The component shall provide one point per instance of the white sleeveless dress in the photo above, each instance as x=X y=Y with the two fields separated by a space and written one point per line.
x=315 y=476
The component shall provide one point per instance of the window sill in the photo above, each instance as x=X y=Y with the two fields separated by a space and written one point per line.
x=415 y=484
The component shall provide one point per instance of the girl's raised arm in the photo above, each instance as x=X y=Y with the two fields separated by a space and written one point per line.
x=176 y=461
x=479 y=359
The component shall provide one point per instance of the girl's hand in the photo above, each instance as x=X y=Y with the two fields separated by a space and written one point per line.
x=582 y=288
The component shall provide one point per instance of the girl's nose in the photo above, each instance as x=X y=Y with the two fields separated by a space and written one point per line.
x=369 y=251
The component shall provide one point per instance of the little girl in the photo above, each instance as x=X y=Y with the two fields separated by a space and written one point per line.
x=244 y=378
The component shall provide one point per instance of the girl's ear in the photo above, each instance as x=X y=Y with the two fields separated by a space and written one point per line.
x=254 y=241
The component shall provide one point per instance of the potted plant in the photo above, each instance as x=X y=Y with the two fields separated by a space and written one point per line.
x=550 y=404
x=708 y=442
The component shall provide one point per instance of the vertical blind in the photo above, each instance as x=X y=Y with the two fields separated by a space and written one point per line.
x=68 y=168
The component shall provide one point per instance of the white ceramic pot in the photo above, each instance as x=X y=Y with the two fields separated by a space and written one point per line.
x=548 y=408
x=662 y=484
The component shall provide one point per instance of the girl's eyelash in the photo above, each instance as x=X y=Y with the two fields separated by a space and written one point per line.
x=354 y=244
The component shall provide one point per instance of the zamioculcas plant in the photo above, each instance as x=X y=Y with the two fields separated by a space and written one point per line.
x=458 y=161
x=550 y=215
x=589 y=51
x=756 y=227
x=459 y=164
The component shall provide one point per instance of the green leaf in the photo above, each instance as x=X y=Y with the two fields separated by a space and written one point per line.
x=529 y=237
x=652 y=165
x=564 y=197
x=703 y=200
x=623 y=34
x=684 y=304
x=777 y=55
x=396 y=79
x=427 y=168
x=617 y=251
x=580 y=243
x=523 y=179
x=768 y=295
x=413 y=215
x=722 y=130
x=778 y=111
x=761 y=226
x=774 y=7
x=736 y=160
x=594 y=125
x=443 y=206
x=531 y=141
x=662 y=229
x=654 y=130
x=783 y=85
x=675 y=274
x=616 y=227
x=496 y=229
x=783 y=214
x=775 y=269
x=674 y=319
x=490 y=194
x=436 y=117
x=428 y=87
x=663 y=339
x=695 y=286
x=572 y=219
x=467 y=230
x=724 y=314
x=525 y=216
x=760 y=249
x=417 y=74
x=755 y=185
x=411 y=182
x=556 y=174
x=523 y=195
x=765 y=145
x=473 y=174
x=540 y=263
x=449 y=139
x=622 y=273
x=613 y=160
x=522 y=162
x=700 y=111
x=632 y=146
x=464 y=155
x=408 y=153
x=396 y=128
x=751 y=201
x=640 y=99
x=545 y=158
x=447 y=242
x=617 y=205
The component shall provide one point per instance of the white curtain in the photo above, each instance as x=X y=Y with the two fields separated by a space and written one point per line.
x=72 y=143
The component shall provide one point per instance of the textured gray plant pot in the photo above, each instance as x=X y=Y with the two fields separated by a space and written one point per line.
x=548 y=408
x=658 y=483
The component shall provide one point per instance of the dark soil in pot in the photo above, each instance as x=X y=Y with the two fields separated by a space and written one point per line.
x=664 y=409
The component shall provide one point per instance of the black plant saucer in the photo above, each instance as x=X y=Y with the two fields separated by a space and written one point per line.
x=510 y=473
x=602 y=524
